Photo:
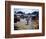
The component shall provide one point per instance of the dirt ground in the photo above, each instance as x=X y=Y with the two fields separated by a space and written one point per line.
x=23 y=24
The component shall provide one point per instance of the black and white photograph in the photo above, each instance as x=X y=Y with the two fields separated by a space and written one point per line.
x=26 y=19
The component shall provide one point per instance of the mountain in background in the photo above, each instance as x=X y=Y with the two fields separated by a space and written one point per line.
x=20 y=12
x=35 y=13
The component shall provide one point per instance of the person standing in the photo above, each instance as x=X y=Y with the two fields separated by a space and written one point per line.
x=27 y=19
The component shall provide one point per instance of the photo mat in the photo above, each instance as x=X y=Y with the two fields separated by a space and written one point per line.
x=26 y=18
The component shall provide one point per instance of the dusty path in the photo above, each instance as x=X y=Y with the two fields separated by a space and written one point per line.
x=22 y=24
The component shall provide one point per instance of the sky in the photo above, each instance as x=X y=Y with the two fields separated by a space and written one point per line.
x=25 y=10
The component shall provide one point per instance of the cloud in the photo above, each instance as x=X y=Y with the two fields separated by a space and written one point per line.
x=25 y=10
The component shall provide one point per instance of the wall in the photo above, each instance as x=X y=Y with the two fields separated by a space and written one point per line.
x=2 y=19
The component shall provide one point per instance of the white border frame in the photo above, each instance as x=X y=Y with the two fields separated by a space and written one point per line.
x=26 y=31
